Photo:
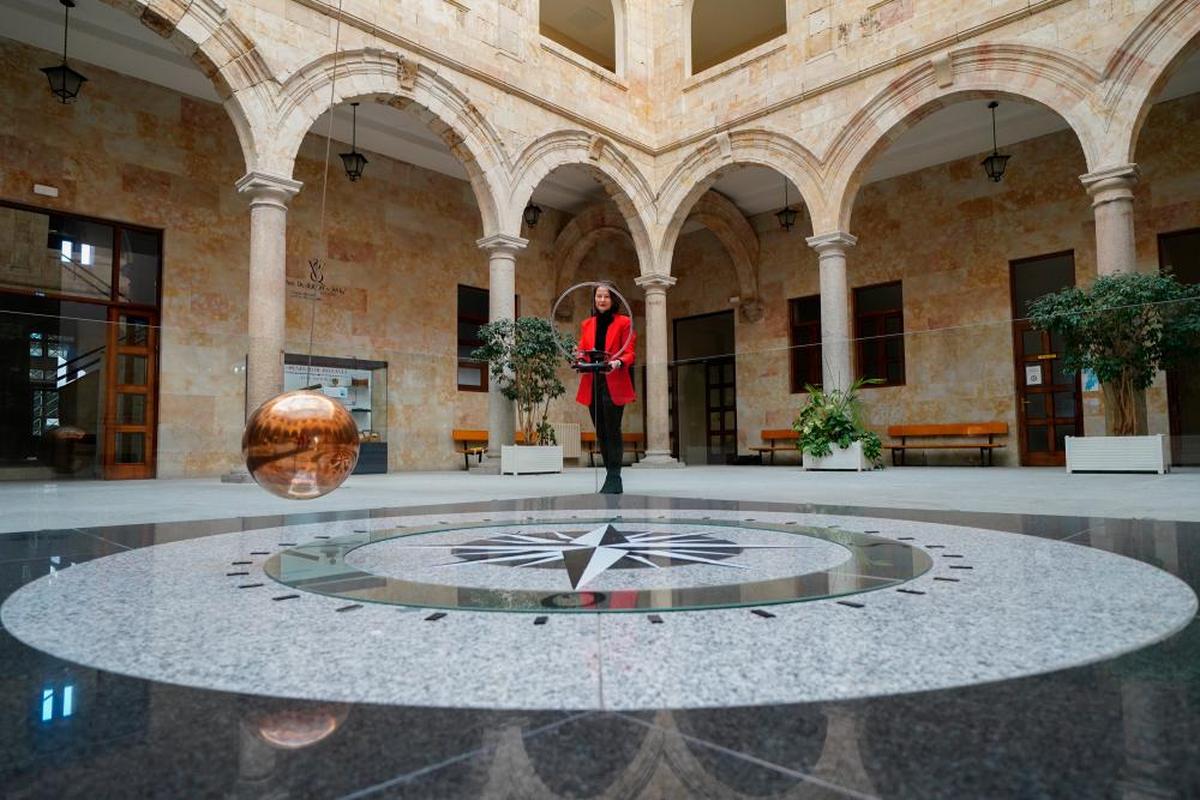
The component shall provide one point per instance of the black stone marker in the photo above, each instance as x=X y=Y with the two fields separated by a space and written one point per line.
x=850 y=603
x=960 y=566
x=936 y=546
x=950 y=555
x=286 y=597
x=249 y=585
x=361 y=530
x=761 y=613
x=655 y=619
x=906 y=538
x=435 y=616
x=791 y=522
x=909 y=591
x=951 y=580
x=540 y=620
x=870 y=531
x=240 y=563
x=351 y=607
x=322 y=537
x=260 y=552
x=232 y=574
x=287 y=544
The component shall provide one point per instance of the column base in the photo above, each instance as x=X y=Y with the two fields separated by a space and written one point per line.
x=658 y=460
x=237 y=475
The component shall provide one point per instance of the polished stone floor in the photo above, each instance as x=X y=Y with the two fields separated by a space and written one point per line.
x=1125 y=726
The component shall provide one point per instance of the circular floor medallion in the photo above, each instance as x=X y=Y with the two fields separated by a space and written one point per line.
x=871 y=607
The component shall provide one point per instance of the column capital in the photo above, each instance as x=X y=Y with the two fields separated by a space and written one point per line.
x=835 y=240
x=265 y=188
x=655 y=284
x=502 y=242
x=1111 y=183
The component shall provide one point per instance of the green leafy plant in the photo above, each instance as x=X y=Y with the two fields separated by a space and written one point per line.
x=1124 y=328
x=524 y=357
x=834 y=419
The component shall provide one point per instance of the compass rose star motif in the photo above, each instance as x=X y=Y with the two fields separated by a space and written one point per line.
x=590 y=555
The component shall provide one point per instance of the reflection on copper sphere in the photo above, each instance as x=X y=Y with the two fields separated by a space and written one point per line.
x=295 y=728
x=300 y=445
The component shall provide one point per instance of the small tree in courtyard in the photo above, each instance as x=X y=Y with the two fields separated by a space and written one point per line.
x=524 y=357
x=1124 y=328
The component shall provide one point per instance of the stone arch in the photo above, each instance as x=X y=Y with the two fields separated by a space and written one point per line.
x=385 y=76
x=1140 y=67
x=717 y=212
x=204 y=32
x=1020 y=72
x=596 y=222
x=618 y=174
x=693 y=177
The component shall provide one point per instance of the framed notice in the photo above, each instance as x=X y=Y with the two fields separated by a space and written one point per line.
x=1033 y=374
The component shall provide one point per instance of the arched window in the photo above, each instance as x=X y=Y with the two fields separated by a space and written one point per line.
x=590 y=28
x=721 y=29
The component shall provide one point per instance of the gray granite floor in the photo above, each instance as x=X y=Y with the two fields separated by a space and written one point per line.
x=38 y=506
x=995 y=606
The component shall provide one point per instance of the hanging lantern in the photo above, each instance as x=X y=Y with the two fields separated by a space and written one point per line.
x=65 y=82
x=532 y=214
x=995 y=164
x=300 y=445
x=786 y=215
x=354 y=161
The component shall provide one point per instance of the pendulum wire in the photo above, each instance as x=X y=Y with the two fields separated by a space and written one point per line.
x=322 y=245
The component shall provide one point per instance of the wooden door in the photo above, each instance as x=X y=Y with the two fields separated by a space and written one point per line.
x=132 y=391
x=1049 y=406
x=1049 y=401
x=1179 y=255
x=720 y=391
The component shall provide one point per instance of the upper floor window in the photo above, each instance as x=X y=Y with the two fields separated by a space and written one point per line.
x=804 y=316
x=879 y=329
x=722 y=29
x=587 y=27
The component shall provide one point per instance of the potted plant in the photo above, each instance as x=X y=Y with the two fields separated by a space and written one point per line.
x=1124 y=329
x=831 y=432
x=524 y=357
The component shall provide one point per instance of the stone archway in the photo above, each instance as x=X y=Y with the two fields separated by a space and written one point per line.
x=388 y=77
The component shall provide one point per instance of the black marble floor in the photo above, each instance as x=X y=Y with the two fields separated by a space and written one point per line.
x=1128 y=727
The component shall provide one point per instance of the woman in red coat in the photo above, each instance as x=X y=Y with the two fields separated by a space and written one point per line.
x=607 y=395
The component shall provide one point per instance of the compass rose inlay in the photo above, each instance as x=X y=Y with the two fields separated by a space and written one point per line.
x=587 y=556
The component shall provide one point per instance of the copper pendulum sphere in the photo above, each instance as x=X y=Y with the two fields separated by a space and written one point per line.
x=300 y=445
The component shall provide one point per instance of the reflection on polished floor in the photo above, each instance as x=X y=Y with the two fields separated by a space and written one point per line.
x=1123 y=725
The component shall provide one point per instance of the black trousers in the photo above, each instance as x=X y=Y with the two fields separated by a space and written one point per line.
x=606 y=418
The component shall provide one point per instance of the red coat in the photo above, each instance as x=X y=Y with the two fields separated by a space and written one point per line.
x=620 y=385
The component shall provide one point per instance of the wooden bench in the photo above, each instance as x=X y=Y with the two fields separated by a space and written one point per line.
x=470 y=443
x=633 y=443
x=773 y=440
x=972 y=430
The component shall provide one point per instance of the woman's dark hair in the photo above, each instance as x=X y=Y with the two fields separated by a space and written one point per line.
x=612 y=292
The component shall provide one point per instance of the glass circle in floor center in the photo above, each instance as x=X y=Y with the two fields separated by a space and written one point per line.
x=598 y=564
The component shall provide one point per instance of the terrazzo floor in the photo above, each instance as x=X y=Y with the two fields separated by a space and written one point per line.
x=696 y=704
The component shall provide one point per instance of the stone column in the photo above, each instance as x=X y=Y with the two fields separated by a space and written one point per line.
x=502 y=252
x=269 y=196
x=835 y=308
x=658 y=406
x=1112 y=202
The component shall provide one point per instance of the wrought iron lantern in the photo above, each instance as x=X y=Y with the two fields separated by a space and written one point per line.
x=995 y=164
x=532 y=214
x=65 y=82
x=354 y=161
x=786 y=215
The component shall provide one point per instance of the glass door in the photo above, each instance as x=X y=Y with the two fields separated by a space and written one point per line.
x=132 y=389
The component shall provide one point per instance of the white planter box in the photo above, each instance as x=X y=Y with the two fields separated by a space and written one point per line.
x=516 y=459
x=850 y=458
x=1118 y=454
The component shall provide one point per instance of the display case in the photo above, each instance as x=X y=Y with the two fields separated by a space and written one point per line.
x=359 y=385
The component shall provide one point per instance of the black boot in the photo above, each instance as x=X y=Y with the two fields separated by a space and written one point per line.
x=612 y=484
